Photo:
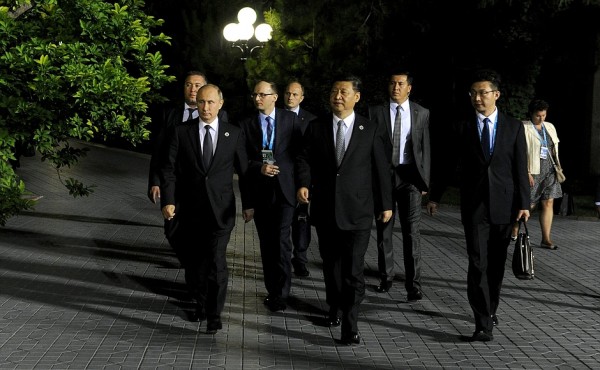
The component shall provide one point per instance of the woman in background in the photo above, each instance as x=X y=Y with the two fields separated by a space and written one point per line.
x=542 y=143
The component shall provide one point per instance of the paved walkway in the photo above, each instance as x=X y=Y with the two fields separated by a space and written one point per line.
x=92 y=283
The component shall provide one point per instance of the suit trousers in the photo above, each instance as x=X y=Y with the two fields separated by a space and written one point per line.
x=407 y=198
x=343 y=255
x=487 y=247
x=273 y=219
x=301 y=234
x=202 y=248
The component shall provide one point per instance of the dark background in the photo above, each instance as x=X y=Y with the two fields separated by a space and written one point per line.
x=541 y=48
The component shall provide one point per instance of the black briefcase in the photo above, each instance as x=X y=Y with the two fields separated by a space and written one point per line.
x=523 y=260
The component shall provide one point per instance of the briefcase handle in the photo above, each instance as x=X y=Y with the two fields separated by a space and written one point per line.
x=522 y=221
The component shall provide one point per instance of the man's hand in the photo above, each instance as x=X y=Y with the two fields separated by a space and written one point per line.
x=168 y=212
x=302 y=195
x=154 y=194
x=432 y=208
x=248 y=214
x=385 y=216
x=523 y=213
x=269 y=170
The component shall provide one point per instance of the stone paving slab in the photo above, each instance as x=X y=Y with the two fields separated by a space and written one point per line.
x=92 y=283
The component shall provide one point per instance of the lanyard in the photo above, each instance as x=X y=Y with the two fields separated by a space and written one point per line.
x=543 y=140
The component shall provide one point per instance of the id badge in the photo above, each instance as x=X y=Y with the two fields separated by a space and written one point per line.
x=544 y=152
x=267 y=156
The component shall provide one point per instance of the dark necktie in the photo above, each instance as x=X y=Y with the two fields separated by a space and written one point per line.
x=190 y=114
x=269 y=131
x=396 y=138
x=340 y=142
x=485 y=139
x=207 y=148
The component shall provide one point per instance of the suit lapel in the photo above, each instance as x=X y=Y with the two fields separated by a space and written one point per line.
x=357 y=131
x=387 y=118
x=194 y=135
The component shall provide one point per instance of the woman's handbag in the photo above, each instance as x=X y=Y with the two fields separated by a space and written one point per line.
x=522 y=263
x=560 y=176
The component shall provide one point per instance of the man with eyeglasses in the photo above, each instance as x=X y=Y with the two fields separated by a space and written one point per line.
x=272 y=139
x=494 y=193
x=301 y=231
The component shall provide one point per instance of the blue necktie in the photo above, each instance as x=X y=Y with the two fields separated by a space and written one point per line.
x=485 y=139
x=269 y=131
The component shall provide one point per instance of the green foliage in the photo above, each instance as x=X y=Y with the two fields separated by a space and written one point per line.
x=80 y=69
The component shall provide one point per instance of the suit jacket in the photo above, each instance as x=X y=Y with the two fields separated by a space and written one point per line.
x=285 y=146
x=419 y=135
x=348 y=194
x=187 y=185
x=502 y=185
x=304 y=118
x=171 y=117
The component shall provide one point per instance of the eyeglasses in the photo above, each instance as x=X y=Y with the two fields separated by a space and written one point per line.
x=260 y=95
x=481 y=93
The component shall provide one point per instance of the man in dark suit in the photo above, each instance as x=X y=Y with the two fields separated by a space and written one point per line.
x=185 y=112
x=494 y=193
x=197 y=197
x=301 y=233
x=407 y=127
x=345 y=170
x=272 y=136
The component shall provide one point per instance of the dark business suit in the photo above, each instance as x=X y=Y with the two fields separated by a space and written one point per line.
x=410 y=179
x=204 y=206
x=274 y=197
x=301 y=233
x=342 y=202
x=491 y=196
x=171 y=118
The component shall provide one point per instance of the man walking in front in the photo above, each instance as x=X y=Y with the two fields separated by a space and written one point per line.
x=197 y=197
x=344 y=169
x=494 y=193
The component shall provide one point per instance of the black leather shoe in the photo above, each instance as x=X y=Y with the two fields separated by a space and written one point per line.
x=350 y=339
x=333 y=321
x=301 y=270
x=384 y=286
x=495 y=320
x=415 y=295
x=199 y=315
x=275 y=304
x=479 y=336
x=213 y=325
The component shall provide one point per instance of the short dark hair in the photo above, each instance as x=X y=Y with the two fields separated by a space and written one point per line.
x=489 y=75
x=356 y=82
x=402 y=72
x=195 y=73
x=537 y=105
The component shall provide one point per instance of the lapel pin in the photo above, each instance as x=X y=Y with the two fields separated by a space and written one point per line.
x=227 y=134
x=361 y=127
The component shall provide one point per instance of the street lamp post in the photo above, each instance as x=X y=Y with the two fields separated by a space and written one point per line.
x=239 y=34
